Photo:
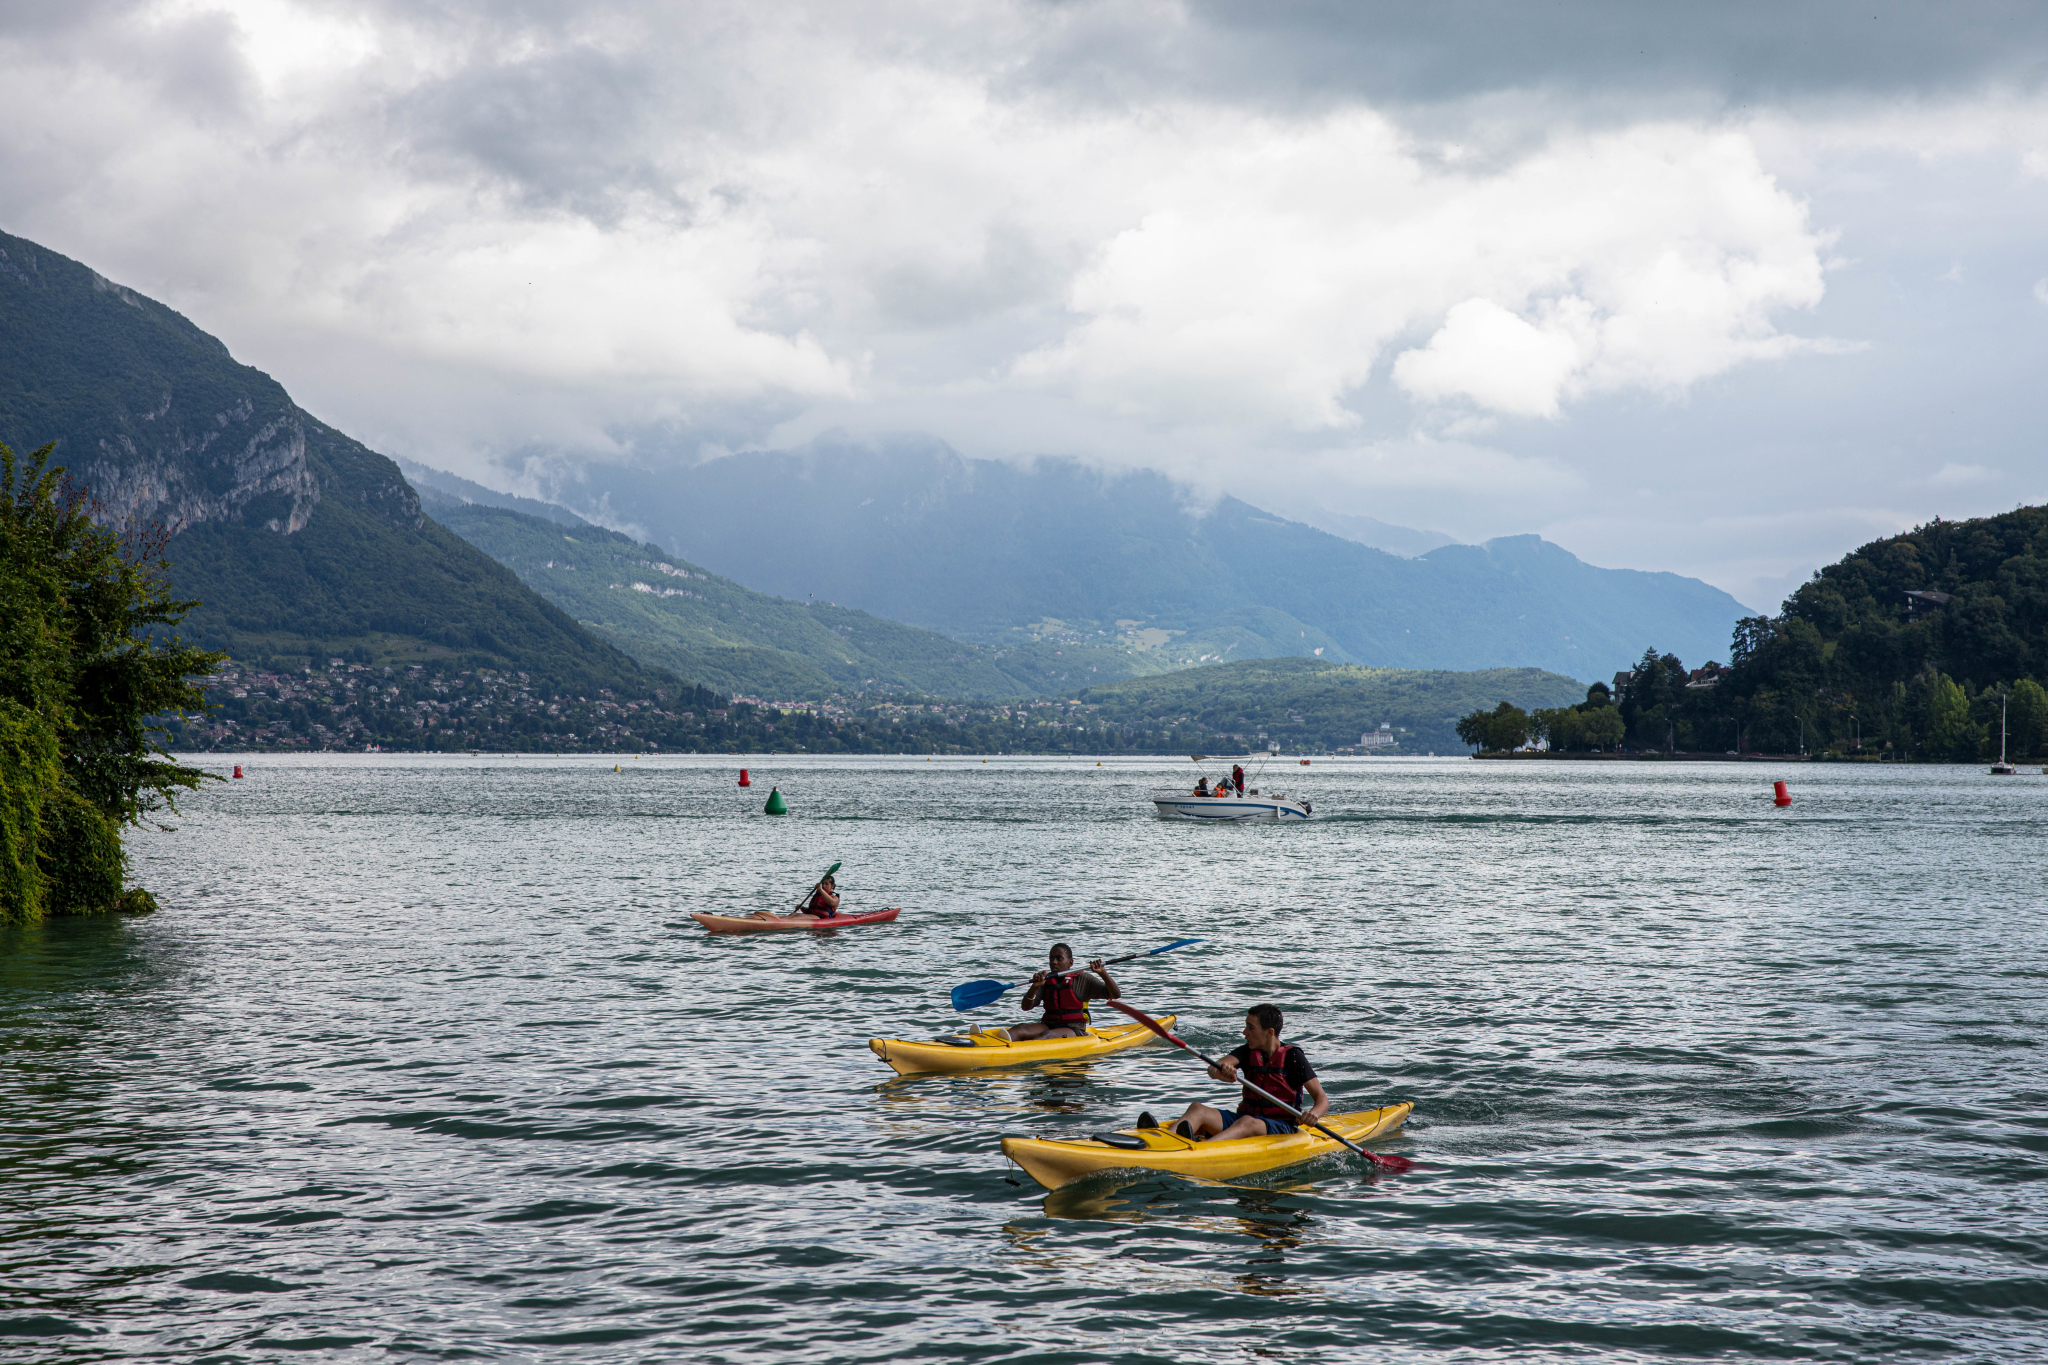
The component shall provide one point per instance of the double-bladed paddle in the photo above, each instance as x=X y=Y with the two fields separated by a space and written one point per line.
x=1385 y=1163
x=975 y=994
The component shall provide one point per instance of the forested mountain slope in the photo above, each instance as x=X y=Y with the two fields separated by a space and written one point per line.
x=1905 y=645
x=672 y=613
x=1313 y=704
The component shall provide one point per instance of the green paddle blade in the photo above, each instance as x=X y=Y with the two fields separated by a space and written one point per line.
x=975 y=994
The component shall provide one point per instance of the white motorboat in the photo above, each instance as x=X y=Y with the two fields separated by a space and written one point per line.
x=1251 y=805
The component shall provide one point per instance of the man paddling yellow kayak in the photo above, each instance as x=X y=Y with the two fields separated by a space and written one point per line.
x=1280 y=1069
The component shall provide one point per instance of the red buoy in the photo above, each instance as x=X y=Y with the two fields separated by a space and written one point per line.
x=1304 y=763
x=238 y=770
x=745 y=781
x=1779 y=796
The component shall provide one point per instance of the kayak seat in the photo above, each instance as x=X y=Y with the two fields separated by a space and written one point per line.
x=1127 y=1141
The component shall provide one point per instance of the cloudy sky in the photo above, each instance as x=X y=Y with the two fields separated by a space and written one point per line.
x=1721 y=289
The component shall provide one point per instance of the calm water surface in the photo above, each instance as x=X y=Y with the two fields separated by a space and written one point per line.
x=422 y=1058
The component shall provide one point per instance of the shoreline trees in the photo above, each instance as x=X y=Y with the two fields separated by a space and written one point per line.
x=86 y=664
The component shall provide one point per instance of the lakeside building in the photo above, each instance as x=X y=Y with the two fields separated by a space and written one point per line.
x=1706 y=675
x=1926 y=600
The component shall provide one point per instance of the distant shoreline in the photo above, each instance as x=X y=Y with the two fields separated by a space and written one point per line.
x=1683 y=757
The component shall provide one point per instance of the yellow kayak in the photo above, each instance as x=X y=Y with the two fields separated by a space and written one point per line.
x=1053 y=1163
x=986 y=1048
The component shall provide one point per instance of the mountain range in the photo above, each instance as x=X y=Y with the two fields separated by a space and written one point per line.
x=903 y=568
x=1006 y=554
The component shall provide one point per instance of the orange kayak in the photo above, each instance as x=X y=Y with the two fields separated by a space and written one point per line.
x=739 y=924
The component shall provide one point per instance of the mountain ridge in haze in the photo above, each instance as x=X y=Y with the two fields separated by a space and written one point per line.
x=669 y=612
x=995 y=552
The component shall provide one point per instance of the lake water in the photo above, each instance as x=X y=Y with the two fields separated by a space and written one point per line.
x=423 y=1059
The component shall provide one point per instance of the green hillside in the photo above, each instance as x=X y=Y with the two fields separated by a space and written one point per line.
x=1903 y=647
x=675 y=615
x=1313 y=704
x=299 y=542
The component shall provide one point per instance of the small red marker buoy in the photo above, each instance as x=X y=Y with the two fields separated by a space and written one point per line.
x=1779 y=796
x=745 y=781
x=238 y=770
x=1304 y=763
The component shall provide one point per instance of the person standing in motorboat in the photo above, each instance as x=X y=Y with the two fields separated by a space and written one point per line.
x=1237 y=778
x=1065 y=994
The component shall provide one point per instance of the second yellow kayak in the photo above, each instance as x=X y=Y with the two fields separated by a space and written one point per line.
x=986 y=1047
x=1055 y=1162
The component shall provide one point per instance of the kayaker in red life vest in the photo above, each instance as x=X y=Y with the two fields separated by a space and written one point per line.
x=1277 y=1067
x=1065 y=993
x=823 y=904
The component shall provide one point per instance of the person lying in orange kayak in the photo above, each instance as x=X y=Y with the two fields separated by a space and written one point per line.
x=1277 y=1067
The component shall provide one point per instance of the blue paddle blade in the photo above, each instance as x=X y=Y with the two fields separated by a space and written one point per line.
x=975 y=994
x=1177 y=943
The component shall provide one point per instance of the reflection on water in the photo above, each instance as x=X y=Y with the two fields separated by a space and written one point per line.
x=1269 y=1223
x=1062 y=1087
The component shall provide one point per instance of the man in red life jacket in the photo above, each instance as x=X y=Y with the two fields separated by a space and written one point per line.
x=1065 y=993
x=823 y=904
x=1277 y=1067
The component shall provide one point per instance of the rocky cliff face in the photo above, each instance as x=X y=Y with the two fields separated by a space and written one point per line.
x=220 y=476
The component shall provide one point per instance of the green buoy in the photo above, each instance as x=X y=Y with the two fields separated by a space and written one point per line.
x=776 y=805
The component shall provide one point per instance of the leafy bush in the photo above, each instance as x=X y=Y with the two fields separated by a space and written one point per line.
x=83 y=670
x=30 y=774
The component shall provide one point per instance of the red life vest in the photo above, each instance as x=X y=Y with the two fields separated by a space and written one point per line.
x=1270 y=1075
x=819 y=906
x=1064 y=1007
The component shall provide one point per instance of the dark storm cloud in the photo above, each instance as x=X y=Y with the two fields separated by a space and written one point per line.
x=1733 y=51
x=567 y=129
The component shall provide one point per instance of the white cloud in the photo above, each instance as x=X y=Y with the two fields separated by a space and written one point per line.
x=1485 y=353
x=1275 y=264
x=2041 y=291
x=1953 y=475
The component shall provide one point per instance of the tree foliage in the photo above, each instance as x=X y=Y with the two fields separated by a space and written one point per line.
x=86 y=663
x=1902 y=649
x=1505 y=728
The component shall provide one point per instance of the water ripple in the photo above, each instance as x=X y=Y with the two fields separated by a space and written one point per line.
x=424 y=1057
